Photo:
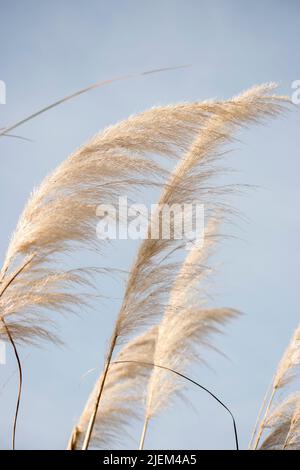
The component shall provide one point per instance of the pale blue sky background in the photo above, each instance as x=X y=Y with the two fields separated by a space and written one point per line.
x=49 y=49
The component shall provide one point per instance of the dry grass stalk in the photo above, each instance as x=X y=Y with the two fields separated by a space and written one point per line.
x=122 y=396
x=4 y=131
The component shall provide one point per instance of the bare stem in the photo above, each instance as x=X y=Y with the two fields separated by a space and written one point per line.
x=259 y=414
x=84 y=90
x=262 y=424
x=144 y=434
x=20 y=383
x=150 y=364
x=91 y=424
x=2 y=291
x=73 y=440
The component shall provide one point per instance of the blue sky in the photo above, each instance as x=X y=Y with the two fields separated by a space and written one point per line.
x=49 y=49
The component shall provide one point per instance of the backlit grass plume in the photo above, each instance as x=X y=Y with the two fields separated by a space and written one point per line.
x=281 y=420
x=60 y=215
x=154 y=270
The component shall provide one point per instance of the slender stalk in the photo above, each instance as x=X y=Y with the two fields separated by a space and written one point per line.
x=259 y=415
x=20 y=383
x=84 y=90
x=74 y=438
x=288 y=434
x=2 y=290
x=91 y=424
x=293 y=422
x=144 y=434
x=195 y=383
x=261 y=427
x=13 y=276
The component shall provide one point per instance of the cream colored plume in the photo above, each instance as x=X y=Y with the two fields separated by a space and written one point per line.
x=122 y=395
x=156 y=265
x=191 y=181
x=61 y=214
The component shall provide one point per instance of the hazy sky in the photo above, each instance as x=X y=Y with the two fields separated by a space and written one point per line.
x=49 y=49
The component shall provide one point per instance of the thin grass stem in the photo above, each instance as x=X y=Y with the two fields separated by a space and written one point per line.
x=149 y=364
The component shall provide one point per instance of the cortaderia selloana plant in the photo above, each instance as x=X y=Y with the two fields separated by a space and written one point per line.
x=165 y=320
x=154 y=272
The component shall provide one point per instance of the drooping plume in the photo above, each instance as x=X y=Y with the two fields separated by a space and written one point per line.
x=61 y=214
x=191 y=181
x=154 y=271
